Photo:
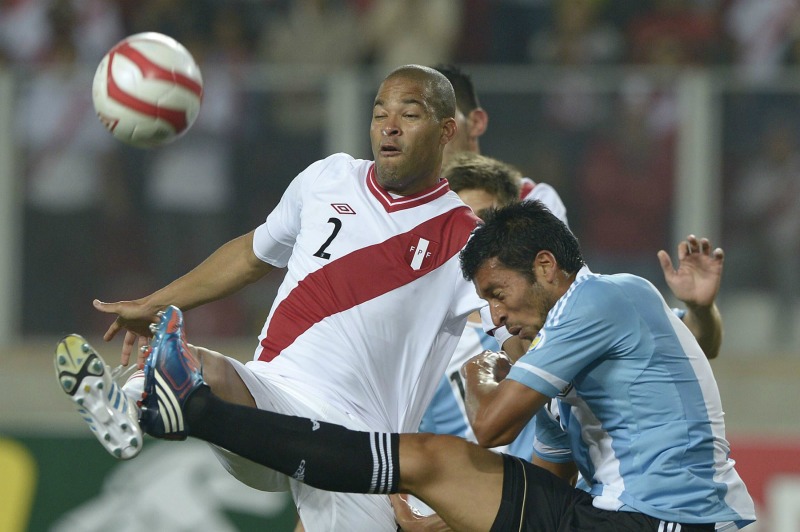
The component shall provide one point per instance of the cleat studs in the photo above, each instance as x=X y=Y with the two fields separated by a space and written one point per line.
x=67 y=383
x=86 y=348
x=62 y=359
x=80 y=401
x=97 y=366
x=117 y=452
x=124 y=426
x=100 y=385
x=134 y=442
x=153 y=327
x=107 y=437
x=160 y=313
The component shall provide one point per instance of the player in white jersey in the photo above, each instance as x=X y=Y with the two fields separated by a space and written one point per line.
x=373 y=302
x=636 y=395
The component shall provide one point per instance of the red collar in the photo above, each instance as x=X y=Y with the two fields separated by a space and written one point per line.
x=392 y=204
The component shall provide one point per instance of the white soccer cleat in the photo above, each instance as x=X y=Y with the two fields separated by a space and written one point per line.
x=86 y=379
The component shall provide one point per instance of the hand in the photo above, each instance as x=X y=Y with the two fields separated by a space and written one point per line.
x=489 y=367
x=696 y=281
x=410 y=520
x=135 y=317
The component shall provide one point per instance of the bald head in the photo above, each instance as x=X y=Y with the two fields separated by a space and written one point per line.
x=439 y=94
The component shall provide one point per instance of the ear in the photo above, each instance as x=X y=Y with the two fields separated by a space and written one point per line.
x=545 y=266
x=449 y=128
x=477 y=122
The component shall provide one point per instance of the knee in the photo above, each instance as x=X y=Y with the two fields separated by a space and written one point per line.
x=424 y=458
x=211 y=364
x=223 y=379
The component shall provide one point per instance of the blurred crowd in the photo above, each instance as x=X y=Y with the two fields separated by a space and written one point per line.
x=103 y=220
x=757 y=35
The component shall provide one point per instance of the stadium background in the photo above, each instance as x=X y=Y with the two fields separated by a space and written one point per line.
x=652 y=119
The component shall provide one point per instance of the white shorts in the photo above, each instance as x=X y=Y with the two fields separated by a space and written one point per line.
x=320 y=511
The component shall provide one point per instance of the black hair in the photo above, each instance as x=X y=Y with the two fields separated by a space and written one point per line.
x=466 y=97
x=515 y=234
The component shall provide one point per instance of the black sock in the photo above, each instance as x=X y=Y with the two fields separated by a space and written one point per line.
x=320 y=454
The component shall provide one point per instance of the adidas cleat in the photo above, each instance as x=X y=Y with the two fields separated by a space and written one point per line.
x=86 y=379
x=171 y=375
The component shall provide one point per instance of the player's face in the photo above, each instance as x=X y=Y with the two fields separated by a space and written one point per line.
x=478 y=200
x=514 y=301
x=407 y=139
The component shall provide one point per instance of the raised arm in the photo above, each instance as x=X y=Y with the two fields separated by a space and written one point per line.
x=696 y=283
x=227 y=270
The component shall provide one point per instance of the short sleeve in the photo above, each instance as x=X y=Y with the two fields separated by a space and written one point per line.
x=274 y=240
x=589 y=322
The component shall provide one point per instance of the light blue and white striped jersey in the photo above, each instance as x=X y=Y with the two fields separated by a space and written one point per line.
x=638 y=402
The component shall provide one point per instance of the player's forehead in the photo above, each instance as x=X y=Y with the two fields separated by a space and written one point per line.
x=491 y=275
x=401 y=90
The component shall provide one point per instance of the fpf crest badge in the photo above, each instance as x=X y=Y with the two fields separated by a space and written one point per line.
x=420 y=252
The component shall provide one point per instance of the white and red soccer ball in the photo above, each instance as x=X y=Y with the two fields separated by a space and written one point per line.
x=147 y=90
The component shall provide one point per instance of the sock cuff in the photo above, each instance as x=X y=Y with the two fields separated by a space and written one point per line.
x=385 y=459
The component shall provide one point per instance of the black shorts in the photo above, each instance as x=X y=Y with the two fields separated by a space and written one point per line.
x=535 y=500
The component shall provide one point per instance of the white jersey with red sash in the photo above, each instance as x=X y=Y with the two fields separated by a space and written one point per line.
x=373 y=302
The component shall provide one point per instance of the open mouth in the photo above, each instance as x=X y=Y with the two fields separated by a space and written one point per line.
x=389 y=149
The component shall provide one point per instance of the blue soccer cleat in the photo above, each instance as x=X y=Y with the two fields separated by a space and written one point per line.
x=171 y=374
x=89 y=383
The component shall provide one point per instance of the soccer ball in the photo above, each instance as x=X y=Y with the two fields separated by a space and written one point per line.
x=147 y=90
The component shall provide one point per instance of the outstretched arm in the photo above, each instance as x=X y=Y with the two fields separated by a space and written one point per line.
x=227 y=270
x=696 y=283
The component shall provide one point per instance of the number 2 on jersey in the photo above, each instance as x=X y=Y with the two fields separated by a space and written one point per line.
x=337 y=225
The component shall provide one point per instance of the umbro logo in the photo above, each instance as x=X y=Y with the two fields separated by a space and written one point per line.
x=343 y=208
x=314 y=424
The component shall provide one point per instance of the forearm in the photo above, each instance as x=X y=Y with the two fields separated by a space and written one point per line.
x=227 y=270
x=705 y=323
x=477 y=392
x=497 y=409
x=480 y=387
